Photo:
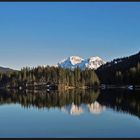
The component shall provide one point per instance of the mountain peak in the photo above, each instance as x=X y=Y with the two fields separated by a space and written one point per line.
x=76 y=61
x=95 y=58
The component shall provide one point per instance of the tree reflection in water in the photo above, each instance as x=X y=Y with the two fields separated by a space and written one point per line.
x=124 y=101
x=76 y=102
x=45 y=99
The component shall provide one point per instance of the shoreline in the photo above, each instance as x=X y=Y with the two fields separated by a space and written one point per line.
x=64 y=87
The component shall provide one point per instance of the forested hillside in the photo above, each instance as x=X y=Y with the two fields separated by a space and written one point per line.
x=121 y=71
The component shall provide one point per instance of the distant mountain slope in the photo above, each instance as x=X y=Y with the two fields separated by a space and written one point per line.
x=76 y=61
x=3 y=70
x=125 y=70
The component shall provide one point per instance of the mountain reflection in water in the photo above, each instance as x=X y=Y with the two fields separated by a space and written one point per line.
x=94 y=108
x=76 y=102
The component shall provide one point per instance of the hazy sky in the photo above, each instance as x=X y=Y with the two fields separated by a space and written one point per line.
x=41 y=33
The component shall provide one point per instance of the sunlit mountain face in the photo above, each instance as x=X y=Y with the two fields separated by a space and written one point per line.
x=76 y=61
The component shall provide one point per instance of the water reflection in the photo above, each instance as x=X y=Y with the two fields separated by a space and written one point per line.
x=96 y=108
x=121 y=101
x=93 y=108
x=76 y=102
x=72 y=109
x=44 y=99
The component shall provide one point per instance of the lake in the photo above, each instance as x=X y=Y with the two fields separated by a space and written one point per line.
x=73 y=113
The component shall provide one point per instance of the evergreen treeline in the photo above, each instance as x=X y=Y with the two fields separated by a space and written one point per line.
x=121 y=71
x=49 y=74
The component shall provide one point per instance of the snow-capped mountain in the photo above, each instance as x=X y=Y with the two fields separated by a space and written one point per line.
x=76 y=61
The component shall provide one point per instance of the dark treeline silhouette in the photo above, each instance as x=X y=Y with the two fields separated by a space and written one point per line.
x=121 y=71
x=40 y=75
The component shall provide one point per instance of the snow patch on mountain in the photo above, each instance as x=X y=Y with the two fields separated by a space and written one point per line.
x=76 y=61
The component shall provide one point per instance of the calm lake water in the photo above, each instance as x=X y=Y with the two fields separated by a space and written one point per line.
x=81 y=114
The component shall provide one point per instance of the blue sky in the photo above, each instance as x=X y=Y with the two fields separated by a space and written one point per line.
x=41 y=33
